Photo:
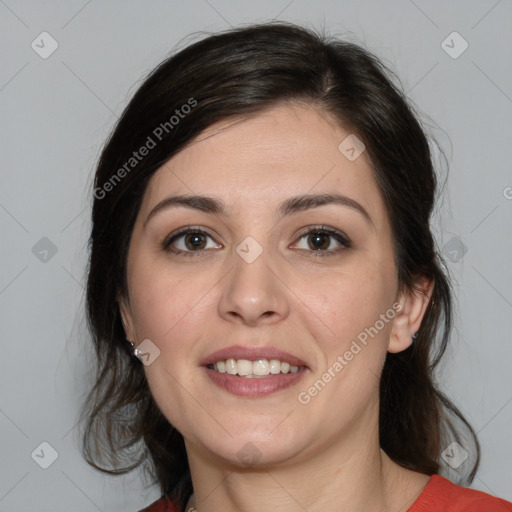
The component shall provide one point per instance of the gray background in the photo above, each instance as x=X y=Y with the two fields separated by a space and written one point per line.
x=55 y=114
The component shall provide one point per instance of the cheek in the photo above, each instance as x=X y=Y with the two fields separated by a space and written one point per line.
x=355 y=345
x=352 y=301
x=164 y=298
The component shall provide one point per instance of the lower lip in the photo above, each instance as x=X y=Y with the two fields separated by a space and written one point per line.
x=259 y=386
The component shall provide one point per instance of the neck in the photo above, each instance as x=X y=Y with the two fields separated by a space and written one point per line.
x=351 y=474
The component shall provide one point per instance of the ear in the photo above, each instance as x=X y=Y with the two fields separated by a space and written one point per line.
x=408 y=319
x=127 y=319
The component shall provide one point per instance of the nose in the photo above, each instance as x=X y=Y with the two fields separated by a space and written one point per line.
x=254 y=293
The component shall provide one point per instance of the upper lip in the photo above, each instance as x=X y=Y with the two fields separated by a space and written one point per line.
x=251 y=354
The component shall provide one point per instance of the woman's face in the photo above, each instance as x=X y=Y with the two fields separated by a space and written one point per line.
x=252 y=283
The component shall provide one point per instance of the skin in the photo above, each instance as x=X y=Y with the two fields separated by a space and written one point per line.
x=323 y=455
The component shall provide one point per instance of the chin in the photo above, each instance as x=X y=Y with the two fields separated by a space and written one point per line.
x=254 y=448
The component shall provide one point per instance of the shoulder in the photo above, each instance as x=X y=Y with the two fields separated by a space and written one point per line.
x=441 y=494
x=164 y=504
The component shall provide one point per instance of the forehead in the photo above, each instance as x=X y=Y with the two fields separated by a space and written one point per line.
x=262 y=160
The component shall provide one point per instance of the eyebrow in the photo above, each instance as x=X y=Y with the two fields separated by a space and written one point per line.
x=292 y=205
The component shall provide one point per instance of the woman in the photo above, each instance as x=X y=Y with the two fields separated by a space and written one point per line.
x=261 y=244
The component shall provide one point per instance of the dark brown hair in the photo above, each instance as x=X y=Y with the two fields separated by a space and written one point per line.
x=238 y=72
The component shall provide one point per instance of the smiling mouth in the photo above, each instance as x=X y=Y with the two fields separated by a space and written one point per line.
x=258 y=368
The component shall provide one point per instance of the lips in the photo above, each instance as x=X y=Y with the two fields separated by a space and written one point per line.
x=257 y=386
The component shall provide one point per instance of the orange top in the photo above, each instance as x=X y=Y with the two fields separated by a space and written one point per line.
x=442 y=495
x=439 y=495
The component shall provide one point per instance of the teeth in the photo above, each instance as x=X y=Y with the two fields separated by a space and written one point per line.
x=231 y=366
x=275 y=366
x=244 y=367
x=261 y=367
x=254 y=369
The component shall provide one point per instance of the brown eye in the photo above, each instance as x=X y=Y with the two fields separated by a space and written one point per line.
x=187 y=242
x=318 y=241
x=194 y=240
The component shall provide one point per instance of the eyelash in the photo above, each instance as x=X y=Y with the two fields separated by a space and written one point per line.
x=338 y=236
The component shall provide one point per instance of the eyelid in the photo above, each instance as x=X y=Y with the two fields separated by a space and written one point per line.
x=340 y=237
x=322 y=228
x=184 y=231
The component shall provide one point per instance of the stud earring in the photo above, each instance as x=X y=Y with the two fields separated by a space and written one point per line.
x=135 y=351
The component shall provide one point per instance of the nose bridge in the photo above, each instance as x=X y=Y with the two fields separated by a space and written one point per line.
x=253 y=290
